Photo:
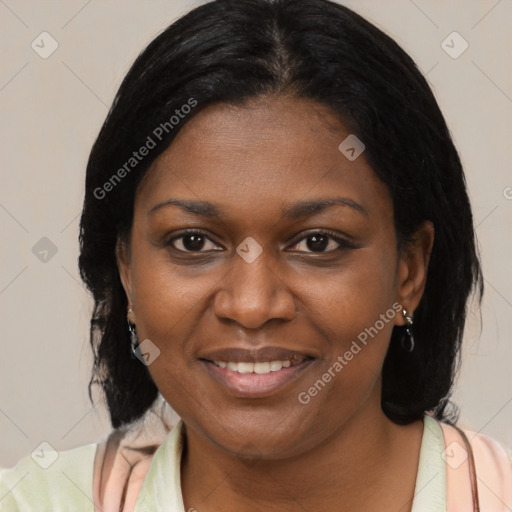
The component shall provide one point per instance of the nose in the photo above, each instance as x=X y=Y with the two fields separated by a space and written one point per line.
x=252 y=294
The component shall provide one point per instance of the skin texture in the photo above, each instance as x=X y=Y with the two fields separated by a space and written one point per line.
x=339 y=451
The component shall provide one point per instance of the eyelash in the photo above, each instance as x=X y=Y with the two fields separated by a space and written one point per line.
x=343 y=244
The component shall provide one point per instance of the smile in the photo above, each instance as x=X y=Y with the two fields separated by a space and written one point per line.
x=261 y=379
x=259 y=368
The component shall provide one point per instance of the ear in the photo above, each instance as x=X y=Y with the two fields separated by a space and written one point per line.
x=123 y=259
x=413 y=268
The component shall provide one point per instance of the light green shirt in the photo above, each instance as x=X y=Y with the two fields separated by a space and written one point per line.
x=67 y=484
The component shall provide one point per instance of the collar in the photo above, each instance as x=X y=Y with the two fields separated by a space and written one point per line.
x=430 y=489
x=162 y=485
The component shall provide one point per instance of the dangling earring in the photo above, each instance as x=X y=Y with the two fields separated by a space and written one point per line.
x=134 y=342
x=408 y=332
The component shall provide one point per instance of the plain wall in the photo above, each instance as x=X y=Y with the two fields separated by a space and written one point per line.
x=52 y=110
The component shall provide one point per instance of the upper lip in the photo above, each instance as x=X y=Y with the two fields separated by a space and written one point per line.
x=260 y=355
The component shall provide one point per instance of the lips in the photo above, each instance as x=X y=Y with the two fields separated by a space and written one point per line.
x=261 y=355
x=255 y=373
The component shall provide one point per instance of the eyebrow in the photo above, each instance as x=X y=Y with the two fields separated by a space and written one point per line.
x=291 y=212
x=305 y=208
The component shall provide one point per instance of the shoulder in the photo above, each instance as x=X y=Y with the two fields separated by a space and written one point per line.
x=104 y=474
x=50 y=481
x=492 y=463
x=491 y=457
x=123 y=460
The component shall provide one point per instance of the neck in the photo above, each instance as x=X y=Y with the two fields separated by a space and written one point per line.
x=354 y=469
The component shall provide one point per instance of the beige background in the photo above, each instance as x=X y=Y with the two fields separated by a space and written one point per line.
x=52 y=110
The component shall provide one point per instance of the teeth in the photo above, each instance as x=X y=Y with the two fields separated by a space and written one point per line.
x=261 y=368
x=245 y=367
x=258 y=368
x=276 y=365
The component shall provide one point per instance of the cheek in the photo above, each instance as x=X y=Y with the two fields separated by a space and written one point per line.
x=168 y=301
x=348 y=301
x=355 y=311
x=168 y=307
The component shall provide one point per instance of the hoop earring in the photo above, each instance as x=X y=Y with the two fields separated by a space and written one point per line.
x=408 y=332
x=134 y=341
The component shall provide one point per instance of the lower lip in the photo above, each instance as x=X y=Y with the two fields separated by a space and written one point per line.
x=254 y=385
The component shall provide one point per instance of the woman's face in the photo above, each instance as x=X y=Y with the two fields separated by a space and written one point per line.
x=291 y=268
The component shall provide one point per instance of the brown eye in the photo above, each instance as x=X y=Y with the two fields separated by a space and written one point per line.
x=192 y=242
x=317 y=242
x=320 y=242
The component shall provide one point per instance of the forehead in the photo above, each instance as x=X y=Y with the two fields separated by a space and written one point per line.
x=260 y=157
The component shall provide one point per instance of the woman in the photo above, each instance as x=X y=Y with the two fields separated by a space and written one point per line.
x=280 y=246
